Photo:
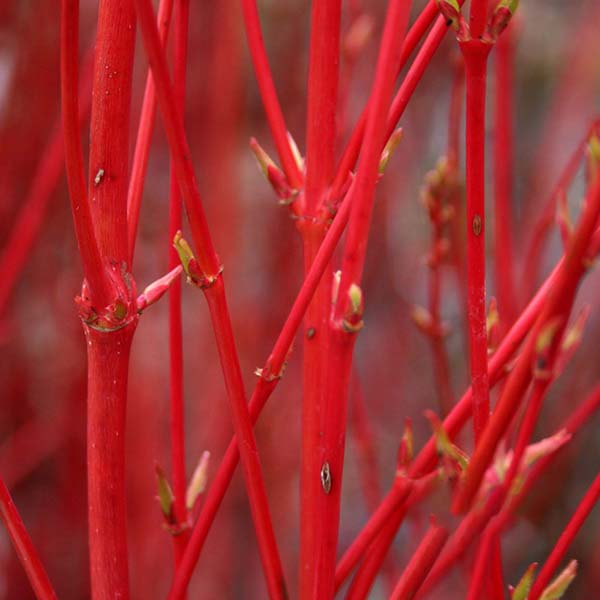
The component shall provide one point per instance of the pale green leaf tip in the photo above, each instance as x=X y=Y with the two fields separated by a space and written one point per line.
x=561 y=583
x=165 y=494
x=197 y=484
x=355 y=296
x=511 y=5
x=521 y=591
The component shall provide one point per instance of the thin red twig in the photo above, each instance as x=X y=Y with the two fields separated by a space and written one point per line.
x=24 y=547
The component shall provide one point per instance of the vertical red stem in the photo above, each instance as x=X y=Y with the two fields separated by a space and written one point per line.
x=478 y=17
x=109 y=127
x=144 y=136
x=475 y=53
x=269 y=94
x=341 y=338
x=93 y=267
x=108 y=361
x=320 y=141
x=175 y=327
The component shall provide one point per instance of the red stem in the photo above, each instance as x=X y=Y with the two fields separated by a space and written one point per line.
x=499 y=522
x=269 y=94
x=93 y=267
x=463 y=536
x=503 y=174
x=478 y=18
x=365 y=576
x=28 y=556
x=421 y=562
x=144 y=136
x=180 y=155
x=108 y=346
x=480 y=579
x=475 y=53
x=109 y=128
x=108 y=361
x=175 y=328
x=341 y=340
x=255 y=486
x=320 y=144
x=566 y=537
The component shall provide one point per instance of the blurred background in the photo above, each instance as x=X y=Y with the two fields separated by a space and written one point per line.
x=42 y=358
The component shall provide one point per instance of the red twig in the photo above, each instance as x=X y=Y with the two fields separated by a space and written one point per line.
x=25 y=549
x=175 y=328
x=269 y=94
x=376 y=552
x=144 y=136
x=421 y=562
x=394 y=498
x=566 y=537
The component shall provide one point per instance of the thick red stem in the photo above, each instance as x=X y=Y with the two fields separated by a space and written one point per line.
x=340 y=338
x=320 y=144
x=109 y=128
x=108 y=362
x=475 y=53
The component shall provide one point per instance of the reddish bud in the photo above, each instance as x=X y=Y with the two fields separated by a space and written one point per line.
x=157 y=289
